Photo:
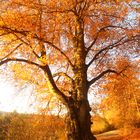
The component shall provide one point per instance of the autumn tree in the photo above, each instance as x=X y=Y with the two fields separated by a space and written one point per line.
x=122 y=93
x=65 y=47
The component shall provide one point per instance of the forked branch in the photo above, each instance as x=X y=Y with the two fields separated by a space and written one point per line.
x=98 y=33
x=106 y=72
x=48 y=73
x=104 y=49
x=52 y=85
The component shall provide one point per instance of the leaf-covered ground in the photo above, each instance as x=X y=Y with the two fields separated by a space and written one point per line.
x=115 y=135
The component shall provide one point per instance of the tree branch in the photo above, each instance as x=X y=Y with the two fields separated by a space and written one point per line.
x=109 y=47
x=104 y=49
x=97 y=35
x=11 y=52
x=47 y=71
x=26 y=44
x=4 y=34
x=101 y=75
x=25 y=33
x=52 y=85
x=19 y=60
x=64 y=75
x=59 y=50
x=105 y=72
x=13 y=30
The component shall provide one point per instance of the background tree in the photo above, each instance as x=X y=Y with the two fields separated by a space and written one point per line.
x=66 y=46
x=16 y=126
x=123 y=94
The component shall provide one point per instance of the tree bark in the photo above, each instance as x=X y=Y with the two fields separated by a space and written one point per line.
x=79 y=118
x=79 y=122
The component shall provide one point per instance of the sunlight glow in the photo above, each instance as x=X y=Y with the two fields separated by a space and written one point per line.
x=13 y=99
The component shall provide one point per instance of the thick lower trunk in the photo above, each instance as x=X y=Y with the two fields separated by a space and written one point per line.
x=79 y=123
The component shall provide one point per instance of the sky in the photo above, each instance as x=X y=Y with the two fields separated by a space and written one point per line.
x=14 y=99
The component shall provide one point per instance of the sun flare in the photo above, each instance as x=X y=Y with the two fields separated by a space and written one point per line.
x=11 y=99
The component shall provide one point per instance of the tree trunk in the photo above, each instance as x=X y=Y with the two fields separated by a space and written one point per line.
x=79 y=119
x=79 y=122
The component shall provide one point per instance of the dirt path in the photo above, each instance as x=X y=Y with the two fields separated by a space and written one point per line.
x=111 y=135
x=114 y=135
